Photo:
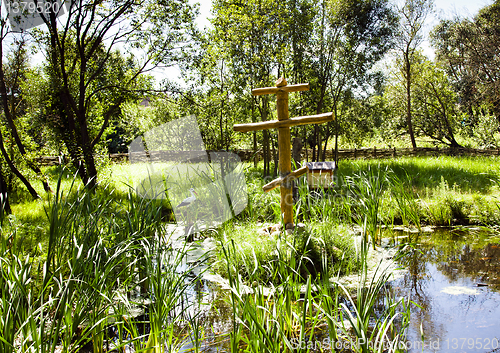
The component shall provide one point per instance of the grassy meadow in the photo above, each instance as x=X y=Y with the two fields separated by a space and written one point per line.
x=80 y=261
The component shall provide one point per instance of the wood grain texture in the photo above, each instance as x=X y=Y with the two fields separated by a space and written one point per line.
x=271 y=90
x=274 y=124
x=290 y=177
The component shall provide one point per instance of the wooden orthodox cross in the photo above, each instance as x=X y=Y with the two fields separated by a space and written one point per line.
x=283 y=124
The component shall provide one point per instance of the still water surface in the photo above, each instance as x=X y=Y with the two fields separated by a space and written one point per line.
x=454 y=276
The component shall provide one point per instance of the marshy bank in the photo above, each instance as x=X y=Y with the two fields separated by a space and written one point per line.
x=76 y=264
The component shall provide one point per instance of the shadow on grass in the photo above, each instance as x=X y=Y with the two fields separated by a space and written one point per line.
x=30 y=220
x=54 y=172
x=30 y=224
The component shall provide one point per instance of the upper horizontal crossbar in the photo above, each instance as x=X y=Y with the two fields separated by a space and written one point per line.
x=273 y=124
x=271 y=90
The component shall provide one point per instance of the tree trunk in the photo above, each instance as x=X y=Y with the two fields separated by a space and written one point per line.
x=5 y=203
x=451 y=135
x=327 y=137
x=265 y=152
x=75 y=155
x=90 y=167
x=16 y=172
x=254 y=137
x=297 y=150
x=221 y=118
x=275 y=160
x=319 y=143
x=88 y=152
x=316 y=144
x=74 y=128
x=304 y=132
x=408 y=101
x=13 y=129
x=265 y=133
x=336 y=157
x=317 y=130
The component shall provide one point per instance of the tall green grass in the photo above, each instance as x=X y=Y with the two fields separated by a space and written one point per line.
x=303 y=311
x=98 y=253
x=330 y=249
x=374 y=332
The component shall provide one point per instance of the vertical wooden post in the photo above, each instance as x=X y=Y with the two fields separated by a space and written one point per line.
x=283 y=124
x=285 y=163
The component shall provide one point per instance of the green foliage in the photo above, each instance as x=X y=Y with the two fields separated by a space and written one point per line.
x=281 y=293
x=97 y=253
x=363 y=119
x=436 y=114
x=89 y=79
x=288 y=317
x=373 y=332
x=333 y=51
x=367 y=188
x=468 y=49
x=486 y=130
x=137 y=117
x=434 y=106
x=412 y=14
x=268 y=322
x=409 y=210
x=323 y=249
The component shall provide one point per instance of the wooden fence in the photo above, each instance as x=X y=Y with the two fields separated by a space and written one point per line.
x=362 y=153
x=372 y=153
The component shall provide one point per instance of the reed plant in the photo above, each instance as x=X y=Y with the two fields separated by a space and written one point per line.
x=170 y=309
x=15 y=297
x=98 y=251
x=271 y=319
x=412 y=191
x=293 y=315
x=367 y=189
x=259 y=254
x=107 y=254
x=406 y=199
x=373 y=332
x=80 y=273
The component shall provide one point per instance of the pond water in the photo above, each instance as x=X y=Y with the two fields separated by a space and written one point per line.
x=454 y=277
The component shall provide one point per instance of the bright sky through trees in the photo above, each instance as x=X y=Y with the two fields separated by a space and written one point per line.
x=444 y=9
x=448 y=9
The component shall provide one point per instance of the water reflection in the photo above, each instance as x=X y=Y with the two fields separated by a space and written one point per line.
x=454 y=277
